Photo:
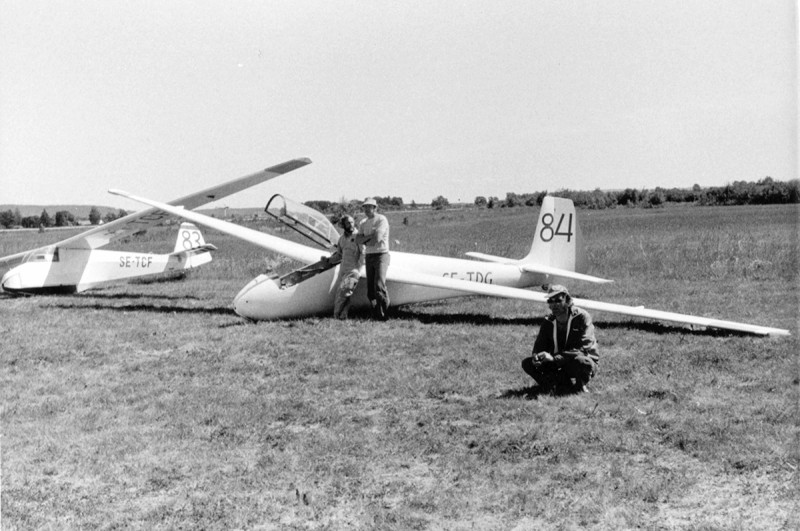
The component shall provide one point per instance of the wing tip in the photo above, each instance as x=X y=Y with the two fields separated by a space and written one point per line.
x=286 y=167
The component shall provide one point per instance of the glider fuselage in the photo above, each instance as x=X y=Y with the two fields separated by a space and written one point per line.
x=75 y=270
x=555 y=256
x=263 y=298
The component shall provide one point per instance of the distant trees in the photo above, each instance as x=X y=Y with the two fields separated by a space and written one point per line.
x=656 y=198
x=337 y=209
x=513 y=199
x=762 y=192
x=111 y=216
x=630 y=197
x=65 y=218
x=29 y=222
x=440 y=202
x=390 y=202
x=322 y=206
x=95 y=216
x=9 y=218
x=45 y=220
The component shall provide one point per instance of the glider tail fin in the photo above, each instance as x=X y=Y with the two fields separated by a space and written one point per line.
x=189 y=237
x=557 y=242
x=557 y=248
x=191 y=249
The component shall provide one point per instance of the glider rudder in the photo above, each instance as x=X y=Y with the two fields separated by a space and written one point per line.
x=189 y=237
x=556 y=241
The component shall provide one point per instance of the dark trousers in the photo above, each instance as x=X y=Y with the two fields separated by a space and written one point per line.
x=377 y=265
x=549 y=374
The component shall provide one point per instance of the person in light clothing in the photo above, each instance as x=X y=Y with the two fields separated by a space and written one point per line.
x=374 y=234
x=350 y=254
x=565 y=349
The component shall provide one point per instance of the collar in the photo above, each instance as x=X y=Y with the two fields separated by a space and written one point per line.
x=573 y=311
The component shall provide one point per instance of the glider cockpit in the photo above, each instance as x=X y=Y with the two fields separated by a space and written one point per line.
x=313 y=225
x=305 y=220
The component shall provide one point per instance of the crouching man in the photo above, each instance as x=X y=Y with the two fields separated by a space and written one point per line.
x=565 y=352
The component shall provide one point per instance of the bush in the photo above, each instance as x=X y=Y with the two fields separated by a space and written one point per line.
x=440 y=203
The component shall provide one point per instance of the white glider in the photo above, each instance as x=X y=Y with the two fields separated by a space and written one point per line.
x=76 y=263
x=555 y=255
x=44 y=269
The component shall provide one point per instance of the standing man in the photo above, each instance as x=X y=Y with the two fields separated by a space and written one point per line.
x=565 y=348
x=350 y=254
x=374 y=234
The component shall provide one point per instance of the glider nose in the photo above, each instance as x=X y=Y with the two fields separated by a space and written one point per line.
x=263 y=298
x=253 y=300
x=11 y=281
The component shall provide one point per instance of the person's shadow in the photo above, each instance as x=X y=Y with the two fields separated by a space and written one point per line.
x=533 y=392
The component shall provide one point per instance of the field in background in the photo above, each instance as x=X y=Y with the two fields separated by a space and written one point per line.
x=150 y=405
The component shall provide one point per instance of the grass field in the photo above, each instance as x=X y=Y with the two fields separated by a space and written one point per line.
x=153 y=406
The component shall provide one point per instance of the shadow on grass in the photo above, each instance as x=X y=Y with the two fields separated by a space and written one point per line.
x=122 y=296
x=394 y=314
x=533 y=392
x=464 y=318
x=482 y=319
x=99 y=295
x=160 y=278
x=152 y=308
x=662 y=329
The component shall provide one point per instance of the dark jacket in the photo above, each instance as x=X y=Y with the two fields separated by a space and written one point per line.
x=580 y=336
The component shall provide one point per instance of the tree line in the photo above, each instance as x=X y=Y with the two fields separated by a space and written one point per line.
x=62 y=218
x=766 y=191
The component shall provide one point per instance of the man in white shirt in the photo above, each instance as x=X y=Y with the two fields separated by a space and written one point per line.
x=374 y=234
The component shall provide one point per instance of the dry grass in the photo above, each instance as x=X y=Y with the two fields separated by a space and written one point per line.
x=152 y=406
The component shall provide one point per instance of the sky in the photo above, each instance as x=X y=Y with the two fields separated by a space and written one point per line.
x=414 y=99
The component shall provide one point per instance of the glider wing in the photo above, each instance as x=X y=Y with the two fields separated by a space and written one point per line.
x=296 y=251
x=132 y=223
x=409 y=277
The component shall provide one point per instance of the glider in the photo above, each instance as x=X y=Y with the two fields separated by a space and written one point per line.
x=77 y=263
x=555 y=255
x=54 y=272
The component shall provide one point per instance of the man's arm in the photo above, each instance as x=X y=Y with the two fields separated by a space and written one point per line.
x=362 y=255
x=363 y=237
x=587 y=344
x=543 y=341
x=336 y=256
x=380 y=231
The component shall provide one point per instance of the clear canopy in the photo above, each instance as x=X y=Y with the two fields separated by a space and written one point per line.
x=309 y=222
